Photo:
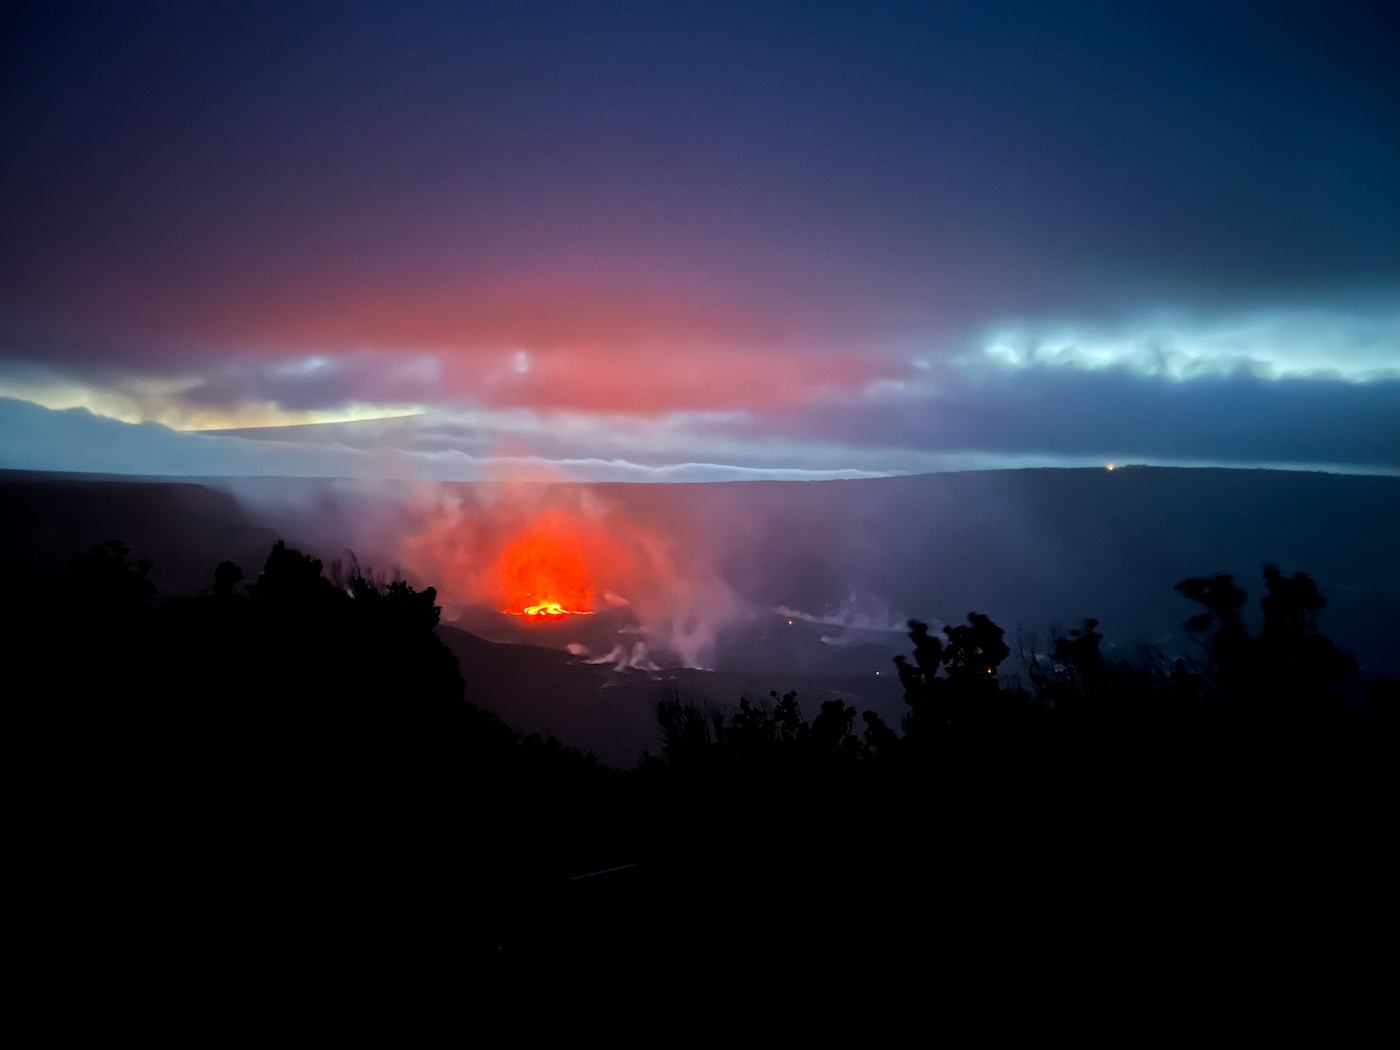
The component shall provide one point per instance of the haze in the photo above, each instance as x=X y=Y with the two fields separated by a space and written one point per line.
x=698 y=242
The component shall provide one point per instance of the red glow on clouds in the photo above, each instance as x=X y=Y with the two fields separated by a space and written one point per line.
x=586 y=345
x=647 y=382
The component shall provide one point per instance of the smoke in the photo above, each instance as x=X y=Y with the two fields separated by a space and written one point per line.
x=622 y=657
x=697 y=575
x=862 y=617
x=499 y=547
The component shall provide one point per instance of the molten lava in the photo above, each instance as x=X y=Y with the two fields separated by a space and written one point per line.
x=544 y=574
x=552 y=609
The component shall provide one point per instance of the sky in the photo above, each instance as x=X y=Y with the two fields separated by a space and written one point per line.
x=698 y=241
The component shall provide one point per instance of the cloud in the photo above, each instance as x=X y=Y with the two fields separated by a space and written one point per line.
x=279 y=394
x=1357 y=345
x=289 y=390
x=36 y=438
x=1316 y=389
x=322 y=382
x=1285 y=387
x=658 y=381
x=1118 y=414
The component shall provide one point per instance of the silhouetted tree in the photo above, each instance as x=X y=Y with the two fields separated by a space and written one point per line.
x=1289 y=669
x=1221 y=630
x=687 y=731
x=831 y=734
x=1075 y=682
x=227 y=576
x=304 y=746
x=953 y=684
x=290 y=577
x=1298 y=664
x=105 y=574
x=880 y=739
x=1079 y=651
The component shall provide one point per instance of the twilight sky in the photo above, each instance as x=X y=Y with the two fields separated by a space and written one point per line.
x=698 y=241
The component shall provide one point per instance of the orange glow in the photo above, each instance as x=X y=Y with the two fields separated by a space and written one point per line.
x=553 y=609
x=543 y=552
x=589 y=347
x=544 y=573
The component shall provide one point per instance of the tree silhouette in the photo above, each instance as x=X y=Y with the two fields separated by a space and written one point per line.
x=831 y=734
x=1299 y=663
x=1288 y=671
x=227 y=576
x=303 y=748
x=1079 y=651
x=953 y=683
x=1221 y=630
x=880 y=739
x=105 y=574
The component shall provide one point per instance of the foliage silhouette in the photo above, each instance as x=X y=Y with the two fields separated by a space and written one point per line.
x=1290 y=669
x=952 y=683
x=304 y=748
x=293 y=726
x=1083 y=760
x=104 y=574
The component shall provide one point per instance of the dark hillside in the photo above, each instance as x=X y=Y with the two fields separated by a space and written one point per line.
x=44 y=518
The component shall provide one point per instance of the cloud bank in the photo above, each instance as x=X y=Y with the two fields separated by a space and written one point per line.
x=1312 y=389
x=1228 y=395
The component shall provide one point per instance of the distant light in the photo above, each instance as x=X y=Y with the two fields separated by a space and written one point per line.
x=1110 y=466
x=877 y=672
x=789 y=623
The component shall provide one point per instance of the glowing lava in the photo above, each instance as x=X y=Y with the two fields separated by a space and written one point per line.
x=552 y=609
x=544 y=574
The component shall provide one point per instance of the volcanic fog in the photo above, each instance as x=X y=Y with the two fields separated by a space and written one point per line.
x=822 y=576
x=765 y=586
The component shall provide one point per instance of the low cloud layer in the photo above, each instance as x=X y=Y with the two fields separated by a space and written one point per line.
x=1118 y=414
x=1311 y=389
x=76 y=440
x=1357 y=344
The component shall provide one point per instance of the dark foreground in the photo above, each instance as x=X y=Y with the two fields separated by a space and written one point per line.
x=284 y=773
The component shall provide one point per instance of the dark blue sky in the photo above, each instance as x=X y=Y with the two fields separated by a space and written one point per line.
x=582 y=215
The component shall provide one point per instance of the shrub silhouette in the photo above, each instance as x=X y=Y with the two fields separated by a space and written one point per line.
x=296 y=726
x=302 y=746
x=104 y=574
x=952 y=683
x=1290 y=669
x=1003 y=805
